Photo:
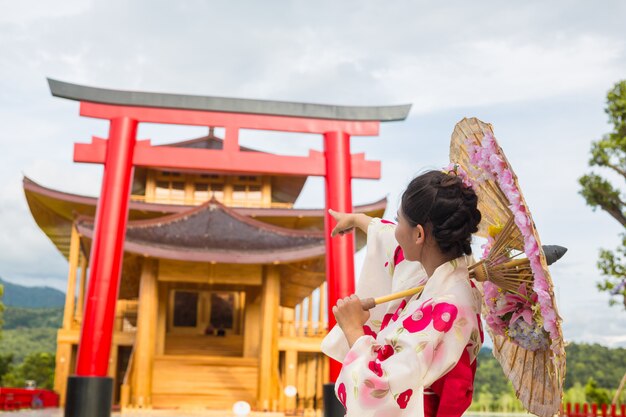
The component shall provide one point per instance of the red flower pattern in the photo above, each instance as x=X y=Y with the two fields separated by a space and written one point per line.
x=392 y=317
x=367 y=330
x=376 y=368
x=420 y=319
x=341 y=394
x=403 y=399
x=444 y=315
x=398 y=311
x=385 y=352
x=398 y=256
x=385 y=322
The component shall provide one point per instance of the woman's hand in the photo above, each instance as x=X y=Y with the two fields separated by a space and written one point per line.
x=345 y=222
x=351 y=317
x=348 y=221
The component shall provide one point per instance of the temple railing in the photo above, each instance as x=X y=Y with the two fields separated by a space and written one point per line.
x=302 y=364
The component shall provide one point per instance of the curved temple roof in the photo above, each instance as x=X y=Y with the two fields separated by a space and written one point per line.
x=214 y=233
x=54 y=212
x=224 y=104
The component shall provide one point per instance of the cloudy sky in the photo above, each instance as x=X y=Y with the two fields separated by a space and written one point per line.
x=538 y=71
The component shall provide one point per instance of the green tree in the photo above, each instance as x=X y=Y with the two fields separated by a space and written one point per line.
x=595 y=394
x=484 y=401
x=38 y=367
x=576 y=394
x=5 y=364
x=609 y=154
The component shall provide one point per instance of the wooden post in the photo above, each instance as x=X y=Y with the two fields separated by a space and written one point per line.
x=290 y=322
x=68 y=312
x=300 y=323
x=113 y=366
x=62 y=370
x=252 y=331
x=309 y=330
x=311 y=377
x=268 y=360
x=80 y=304
x=321 y=324
x=291 y=377
x=267 y=191
x=161 y=320
x=145 y=342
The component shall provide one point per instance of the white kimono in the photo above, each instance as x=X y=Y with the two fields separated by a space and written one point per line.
x=423 y=337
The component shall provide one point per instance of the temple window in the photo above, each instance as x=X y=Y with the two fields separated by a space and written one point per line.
x=170 y=188
x=207 y=186
x=194 y=188
x=205 y=312
x=247 y=189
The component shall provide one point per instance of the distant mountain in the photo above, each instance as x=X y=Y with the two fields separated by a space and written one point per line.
x=31 y=318
x=31 y=297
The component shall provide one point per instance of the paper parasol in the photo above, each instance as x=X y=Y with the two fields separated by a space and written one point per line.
x=519 y=305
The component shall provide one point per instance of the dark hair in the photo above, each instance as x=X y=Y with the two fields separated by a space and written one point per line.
x=441 y=203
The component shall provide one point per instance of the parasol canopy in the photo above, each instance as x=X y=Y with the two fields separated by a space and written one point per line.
x=519 y=305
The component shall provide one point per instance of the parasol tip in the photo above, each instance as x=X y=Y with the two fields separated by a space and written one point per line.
x=553 y=253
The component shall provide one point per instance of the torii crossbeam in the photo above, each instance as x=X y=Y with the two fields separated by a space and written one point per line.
x=89 y=391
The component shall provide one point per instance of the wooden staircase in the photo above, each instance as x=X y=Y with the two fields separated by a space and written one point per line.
x=203 y=381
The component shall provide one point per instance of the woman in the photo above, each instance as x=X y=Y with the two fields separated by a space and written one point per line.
x=420 y=359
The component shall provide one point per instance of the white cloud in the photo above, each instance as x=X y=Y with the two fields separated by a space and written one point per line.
x=25 y=12
x=494 y=71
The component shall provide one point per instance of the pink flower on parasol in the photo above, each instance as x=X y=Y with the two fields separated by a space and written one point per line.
x=520 y=305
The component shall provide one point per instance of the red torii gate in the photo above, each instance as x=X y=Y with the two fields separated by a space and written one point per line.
x=89 y=391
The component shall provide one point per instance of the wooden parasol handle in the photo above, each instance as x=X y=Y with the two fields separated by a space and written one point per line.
x=369 y=303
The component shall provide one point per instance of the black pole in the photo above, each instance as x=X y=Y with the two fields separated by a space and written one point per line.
x=332 y=405
x=89 y=396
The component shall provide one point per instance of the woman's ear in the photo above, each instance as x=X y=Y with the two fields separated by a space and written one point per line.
x=418 y=234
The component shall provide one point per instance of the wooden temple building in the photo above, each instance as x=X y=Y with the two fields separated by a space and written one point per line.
x=222 y=293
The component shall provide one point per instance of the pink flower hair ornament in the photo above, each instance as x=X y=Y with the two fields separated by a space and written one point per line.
x=455 y=169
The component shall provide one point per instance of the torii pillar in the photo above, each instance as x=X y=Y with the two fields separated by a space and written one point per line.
x=89 y=391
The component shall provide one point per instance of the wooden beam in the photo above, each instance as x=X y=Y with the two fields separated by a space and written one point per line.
x=205 y=273
x=268 y=360
x=145 y=342
x=300 y=344
x=68 y=312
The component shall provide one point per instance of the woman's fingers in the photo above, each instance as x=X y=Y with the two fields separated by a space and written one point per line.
x=344 y=223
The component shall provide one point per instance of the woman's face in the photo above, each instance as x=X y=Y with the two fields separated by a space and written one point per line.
x=408 y=238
